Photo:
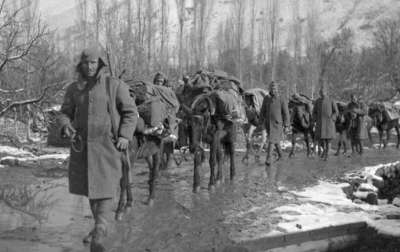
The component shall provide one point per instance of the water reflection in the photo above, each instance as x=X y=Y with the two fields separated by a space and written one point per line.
x=43 y=204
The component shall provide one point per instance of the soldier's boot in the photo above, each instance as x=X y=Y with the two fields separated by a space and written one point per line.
x=272 y=177
x=102 y=216
x=337 y=153
x=98 y=237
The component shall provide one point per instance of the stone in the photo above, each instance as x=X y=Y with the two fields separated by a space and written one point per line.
x=360 y=194
x=376 y=181
x=366 y=187
x=396 y=201
x=382 y=202
x=380 y=172
x=372 y=198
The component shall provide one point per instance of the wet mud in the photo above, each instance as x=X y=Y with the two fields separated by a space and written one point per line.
x=38 y=214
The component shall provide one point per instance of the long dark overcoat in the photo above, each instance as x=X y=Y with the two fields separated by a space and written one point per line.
x=95 y=168
x=274 y=115
x=361 y=110
x=324 y=114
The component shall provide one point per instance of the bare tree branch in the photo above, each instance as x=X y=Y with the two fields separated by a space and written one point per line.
x=29 y=101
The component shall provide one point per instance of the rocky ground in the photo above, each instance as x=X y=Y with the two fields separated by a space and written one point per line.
x=38 y=214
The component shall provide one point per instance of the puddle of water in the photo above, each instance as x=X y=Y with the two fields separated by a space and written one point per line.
x=43 y=205
x=18 y=246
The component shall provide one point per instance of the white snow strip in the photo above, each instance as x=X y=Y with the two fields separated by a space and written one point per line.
x=12 y=151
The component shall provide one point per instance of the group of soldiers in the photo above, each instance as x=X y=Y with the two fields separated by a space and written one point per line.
x=95 y=169
x=274 y=117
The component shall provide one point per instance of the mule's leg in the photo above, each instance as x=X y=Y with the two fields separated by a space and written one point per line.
x=220 y=134
x=339 y=145
x=386 y=142
x=269 y=154
x=398 y=136
x=153 y=163
x=278 y=151
x=231 y=152
x=122 y=199
x=249 y=145
x=291 y=154
x=129 y=194
x=380 y=138
x=125 y=189
x=307 y=141
x=212 y=161
x=369 y=135
x=198 y=160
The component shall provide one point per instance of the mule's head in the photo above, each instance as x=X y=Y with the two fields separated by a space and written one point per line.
x=202 y=109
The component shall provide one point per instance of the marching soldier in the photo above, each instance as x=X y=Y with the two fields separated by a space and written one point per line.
x=357 y=128
x=274 y=116
x=324 y=114
x=95 y=159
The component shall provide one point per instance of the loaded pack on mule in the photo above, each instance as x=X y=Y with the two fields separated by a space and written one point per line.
x=214 y=109
x=352 y=124
x=385 y=117
x=153 y=138
x=300 y=109
x=253 y=99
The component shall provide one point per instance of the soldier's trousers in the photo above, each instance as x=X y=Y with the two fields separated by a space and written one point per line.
x=102 y=212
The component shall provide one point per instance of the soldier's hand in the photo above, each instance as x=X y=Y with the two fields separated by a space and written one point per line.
x=122 y=143
x=68 y=131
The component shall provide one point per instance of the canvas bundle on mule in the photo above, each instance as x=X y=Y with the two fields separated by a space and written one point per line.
x=256 y=95
x=392 y=111
x=156 y=96
x=300 y=99
x=153 y=111
x=229 y=105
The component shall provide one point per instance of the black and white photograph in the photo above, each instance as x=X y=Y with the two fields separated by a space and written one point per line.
x=199 y=125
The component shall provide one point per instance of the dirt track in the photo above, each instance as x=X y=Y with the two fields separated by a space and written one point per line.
x=38 y=214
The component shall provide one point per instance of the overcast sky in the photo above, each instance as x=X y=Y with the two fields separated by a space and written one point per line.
x=51 y=7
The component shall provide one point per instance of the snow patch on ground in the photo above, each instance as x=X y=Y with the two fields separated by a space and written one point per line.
x=319 y=206
x=44 y=161
x=15 y=152
x=326 y=204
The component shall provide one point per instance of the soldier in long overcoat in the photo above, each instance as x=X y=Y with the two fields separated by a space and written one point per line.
x=95 y=156
x=357 y=126
x=324 y=114
x=274 y=115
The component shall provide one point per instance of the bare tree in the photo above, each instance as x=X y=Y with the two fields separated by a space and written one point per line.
x=180 y=4
x=238 y=14
x=149 y=14
x=83 y=20
x=312 y=48
x=98 y=18
x=387 y=41
x=296 y=39
x=273 y=33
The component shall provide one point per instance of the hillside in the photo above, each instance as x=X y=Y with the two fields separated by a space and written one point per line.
x=359 y=15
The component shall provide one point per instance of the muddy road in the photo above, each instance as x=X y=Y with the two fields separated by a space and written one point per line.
x=38 y=214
